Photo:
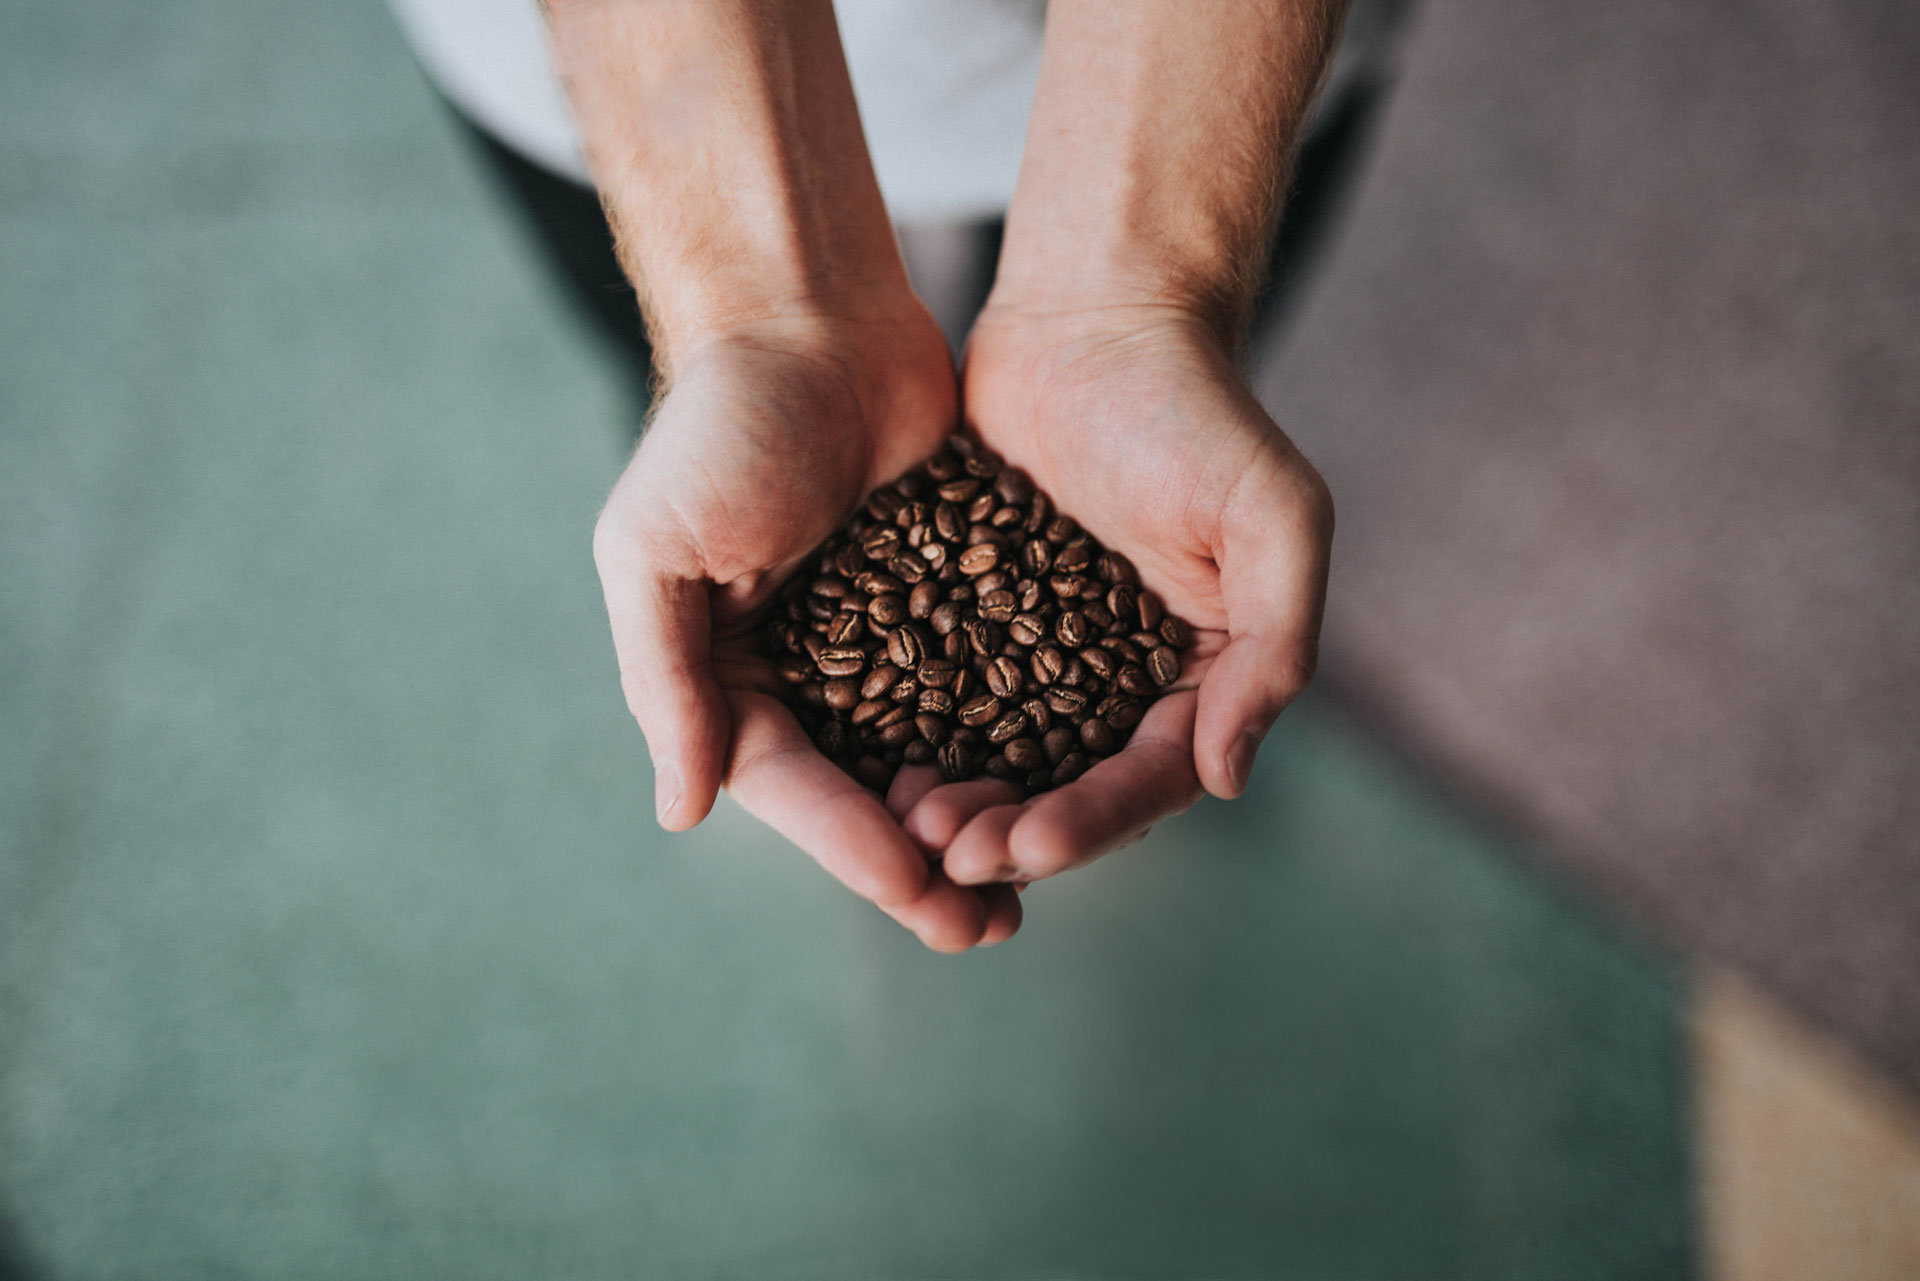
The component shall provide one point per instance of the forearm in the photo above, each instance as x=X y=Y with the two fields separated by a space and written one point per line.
x=725 y=143
x=1158 y=149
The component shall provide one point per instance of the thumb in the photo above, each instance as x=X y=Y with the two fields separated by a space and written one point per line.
x=662 y=636
x=1275 y=541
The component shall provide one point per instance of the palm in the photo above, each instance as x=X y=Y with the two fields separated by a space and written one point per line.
x=755 y=456
x=1142 y=432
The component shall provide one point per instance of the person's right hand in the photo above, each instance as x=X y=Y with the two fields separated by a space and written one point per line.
x=764 y=444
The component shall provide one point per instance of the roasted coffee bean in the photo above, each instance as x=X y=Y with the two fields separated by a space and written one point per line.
x=1008 y=727
x=1048 y=663
x=1003 y=678
x=980 y=711
x=1163 y=665
x=957 y=763
x=908 y=568
x=983 y=638
x=1098 y=661
x=842 y=660
x=1068 y=586
x=1057 y=742
x=980 y=558
x=1074 y=558
x=923 y=599
x=1027 y=629
x=997 y=606
x=960 y=619
x=1066 y=700
x=1024 y=754
x=905 y=647
x=880 y=542
x=1039 y=715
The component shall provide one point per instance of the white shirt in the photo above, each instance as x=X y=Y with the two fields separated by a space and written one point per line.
x=944 y=88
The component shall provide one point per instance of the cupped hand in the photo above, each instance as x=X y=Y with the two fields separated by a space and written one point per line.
x=764 y=443
x=1137 y=423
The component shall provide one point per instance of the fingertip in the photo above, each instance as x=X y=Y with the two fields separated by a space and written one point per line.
x=1004 y=913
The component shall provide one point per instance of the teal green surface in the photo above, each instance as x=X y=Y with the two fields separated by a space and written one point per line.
x=336 y=940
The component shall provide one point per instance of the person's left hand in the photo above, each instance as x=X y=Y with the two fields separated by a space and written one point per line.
x=1135 y=420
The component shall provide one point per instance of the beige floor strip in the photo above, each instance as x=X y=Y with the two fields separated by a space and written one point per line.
x=1809 y=1167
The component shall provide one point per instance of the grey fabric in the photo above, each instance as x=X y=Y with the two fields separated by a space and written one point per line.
x=1614 y=376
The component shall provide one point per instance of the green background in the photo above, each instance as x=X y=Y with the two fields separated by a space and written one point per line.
x=336 y=939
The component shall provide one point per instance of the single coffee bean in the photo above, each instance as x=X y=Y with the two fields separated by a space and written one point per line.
x=938 y=701
x=879 y=680
x=997 y=606
x=1068 y=586
x=998 y=766
x=1074 y=558
x=905 y=647
x=1145 y=642
x=1024 y=754
x=961 y=490
x=935 y=554
x=1037 y=556
x=1027 y=629
x=1175 y=632
x=933 y=727
x=875 y=583
x=1039 y=715
x=980 y=510
x=980 y=711
x=1061 y=529
x=984 y=463
x=1008 y=727
x=900 y=733
x=1151 y=611
x=956 y=761
x=842 y=660
x=1005 y=518
x=953 y=647
x=843 y=694
x=793 y=669
x=1014 y=487
x=880 y=542
x=979 y=558
x=884 y=503
x=814 y=694
x=1097 y=736
x=949 y=523
x=1071 y=767
x=1048 y=663
x=908 y=568
x=1098 y=661
x=983 y=638
x=1123 y=651
x=904 y=690
x=888 y=611
x=1115 y=568
x=943 y=466
x=846 y=627
x=1003 y=678
x=936 y=673
x=1134 y=681
x=1164 y=666
x=946 y=618
x=923 y=599
x=1066 y=700
x=1121 y=601
x=1121 y=712
x=1071 y=627
x=831 y=588
x=917 y=753
x=869 y=711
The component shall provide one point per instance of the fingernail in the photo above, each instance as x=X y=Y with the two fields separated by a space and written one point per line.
x=666 y=793
x=1240 y=759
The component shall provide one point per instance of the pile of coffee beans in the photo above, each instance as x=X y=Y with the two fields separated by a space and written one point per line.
x=957 y=619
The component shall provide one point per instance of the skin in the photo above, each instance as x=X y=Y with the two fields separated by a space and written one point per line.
x=799 y=371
